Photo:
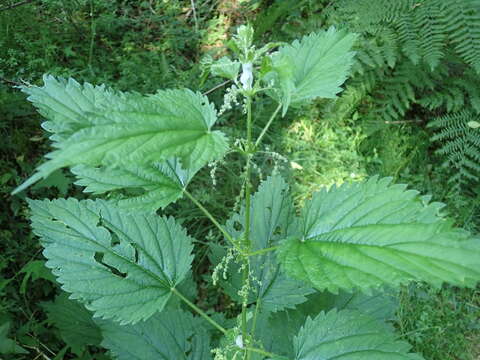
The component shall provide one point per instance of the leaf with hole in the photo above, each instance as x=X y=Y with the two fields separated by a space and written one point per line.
x=120 y=265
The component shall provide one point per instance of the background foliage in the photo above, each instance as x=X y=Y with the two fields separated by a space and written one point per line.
x=410 y=111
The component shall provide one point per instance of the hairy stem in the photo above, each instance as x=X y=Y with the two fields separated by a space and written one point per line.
x=255 y=314
x=265 y=129
x=93 y=34
x=199 y=311
x=207 y=213
x=248 y=190
x=248 y=184
x=254 y=325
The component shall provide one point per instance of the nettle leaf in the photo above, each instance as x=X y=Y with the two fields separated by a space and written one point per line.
x=169 y=335
x=381 y=305
x=35 y=269
x=272 y=218
x=316 y=66
x=97 y=126
x=369 y=234
x=75 y=323
x=286 y=324
x=151 y=186
x=225 y=67
x=121 y=265
x=56 y=179
x=348 y=335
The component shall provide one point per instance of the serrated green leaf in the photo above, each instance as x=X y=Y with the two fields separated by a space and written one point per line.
x=75 y=323
x=160 y=183
x=366 y=235
x=348 y=335
x=316 y=66
x=35 y=269
x=170 y=335
x=286 y=324
x=121 y=265
x=97 y=126
x=272 y=218
x=226 y=68
x=381 y=305
x=9 y=346
x=56 y=179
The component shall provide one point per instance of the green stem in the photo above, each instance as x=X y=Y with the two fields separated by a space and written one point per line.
x=198 y=311
x=93 y=33
x=248 y=185
x=255 y=314
x=262 y=251
x=265 y=129
x=245 y=275
x=195 y=19
x=254 y=323
x=248 y=190
x=214 y=221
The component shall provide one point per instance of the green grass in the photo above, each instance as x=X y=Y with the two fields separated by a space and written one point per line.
x=442 y=324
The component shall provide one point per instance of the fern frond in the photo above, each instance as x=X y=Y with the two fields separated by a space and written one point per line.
x=428 y=19
x=454 y=89
x=426 y=30
x=460 y=145
x=462 y=24
x=395 y=95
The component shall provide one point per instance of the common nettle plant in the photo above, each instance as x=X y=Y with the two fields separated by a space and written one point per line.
x=312 y=283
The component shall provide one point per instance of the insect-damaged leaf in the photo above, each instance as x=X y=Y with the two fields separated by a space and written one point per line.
x=121 y=265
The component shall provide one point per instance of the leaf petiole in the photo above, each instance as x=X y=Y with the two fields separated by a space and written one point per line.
x=198 y=311
x=262 y=251
x=230 y=239
x=265 y=353
x=265 y=129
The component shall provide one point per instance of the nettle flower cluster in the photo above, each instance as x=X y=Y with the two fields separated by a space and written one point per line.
x=312 y=283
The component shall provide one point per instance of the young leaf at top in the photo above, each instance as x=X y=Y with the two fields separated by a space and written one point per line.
x=97 y=126
x=316 y=66
x=120 y=265
x=160 y=183
x=369 y=234
x=272 y=218
x=226 y=68
x=348 y=335
x=169 y=335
